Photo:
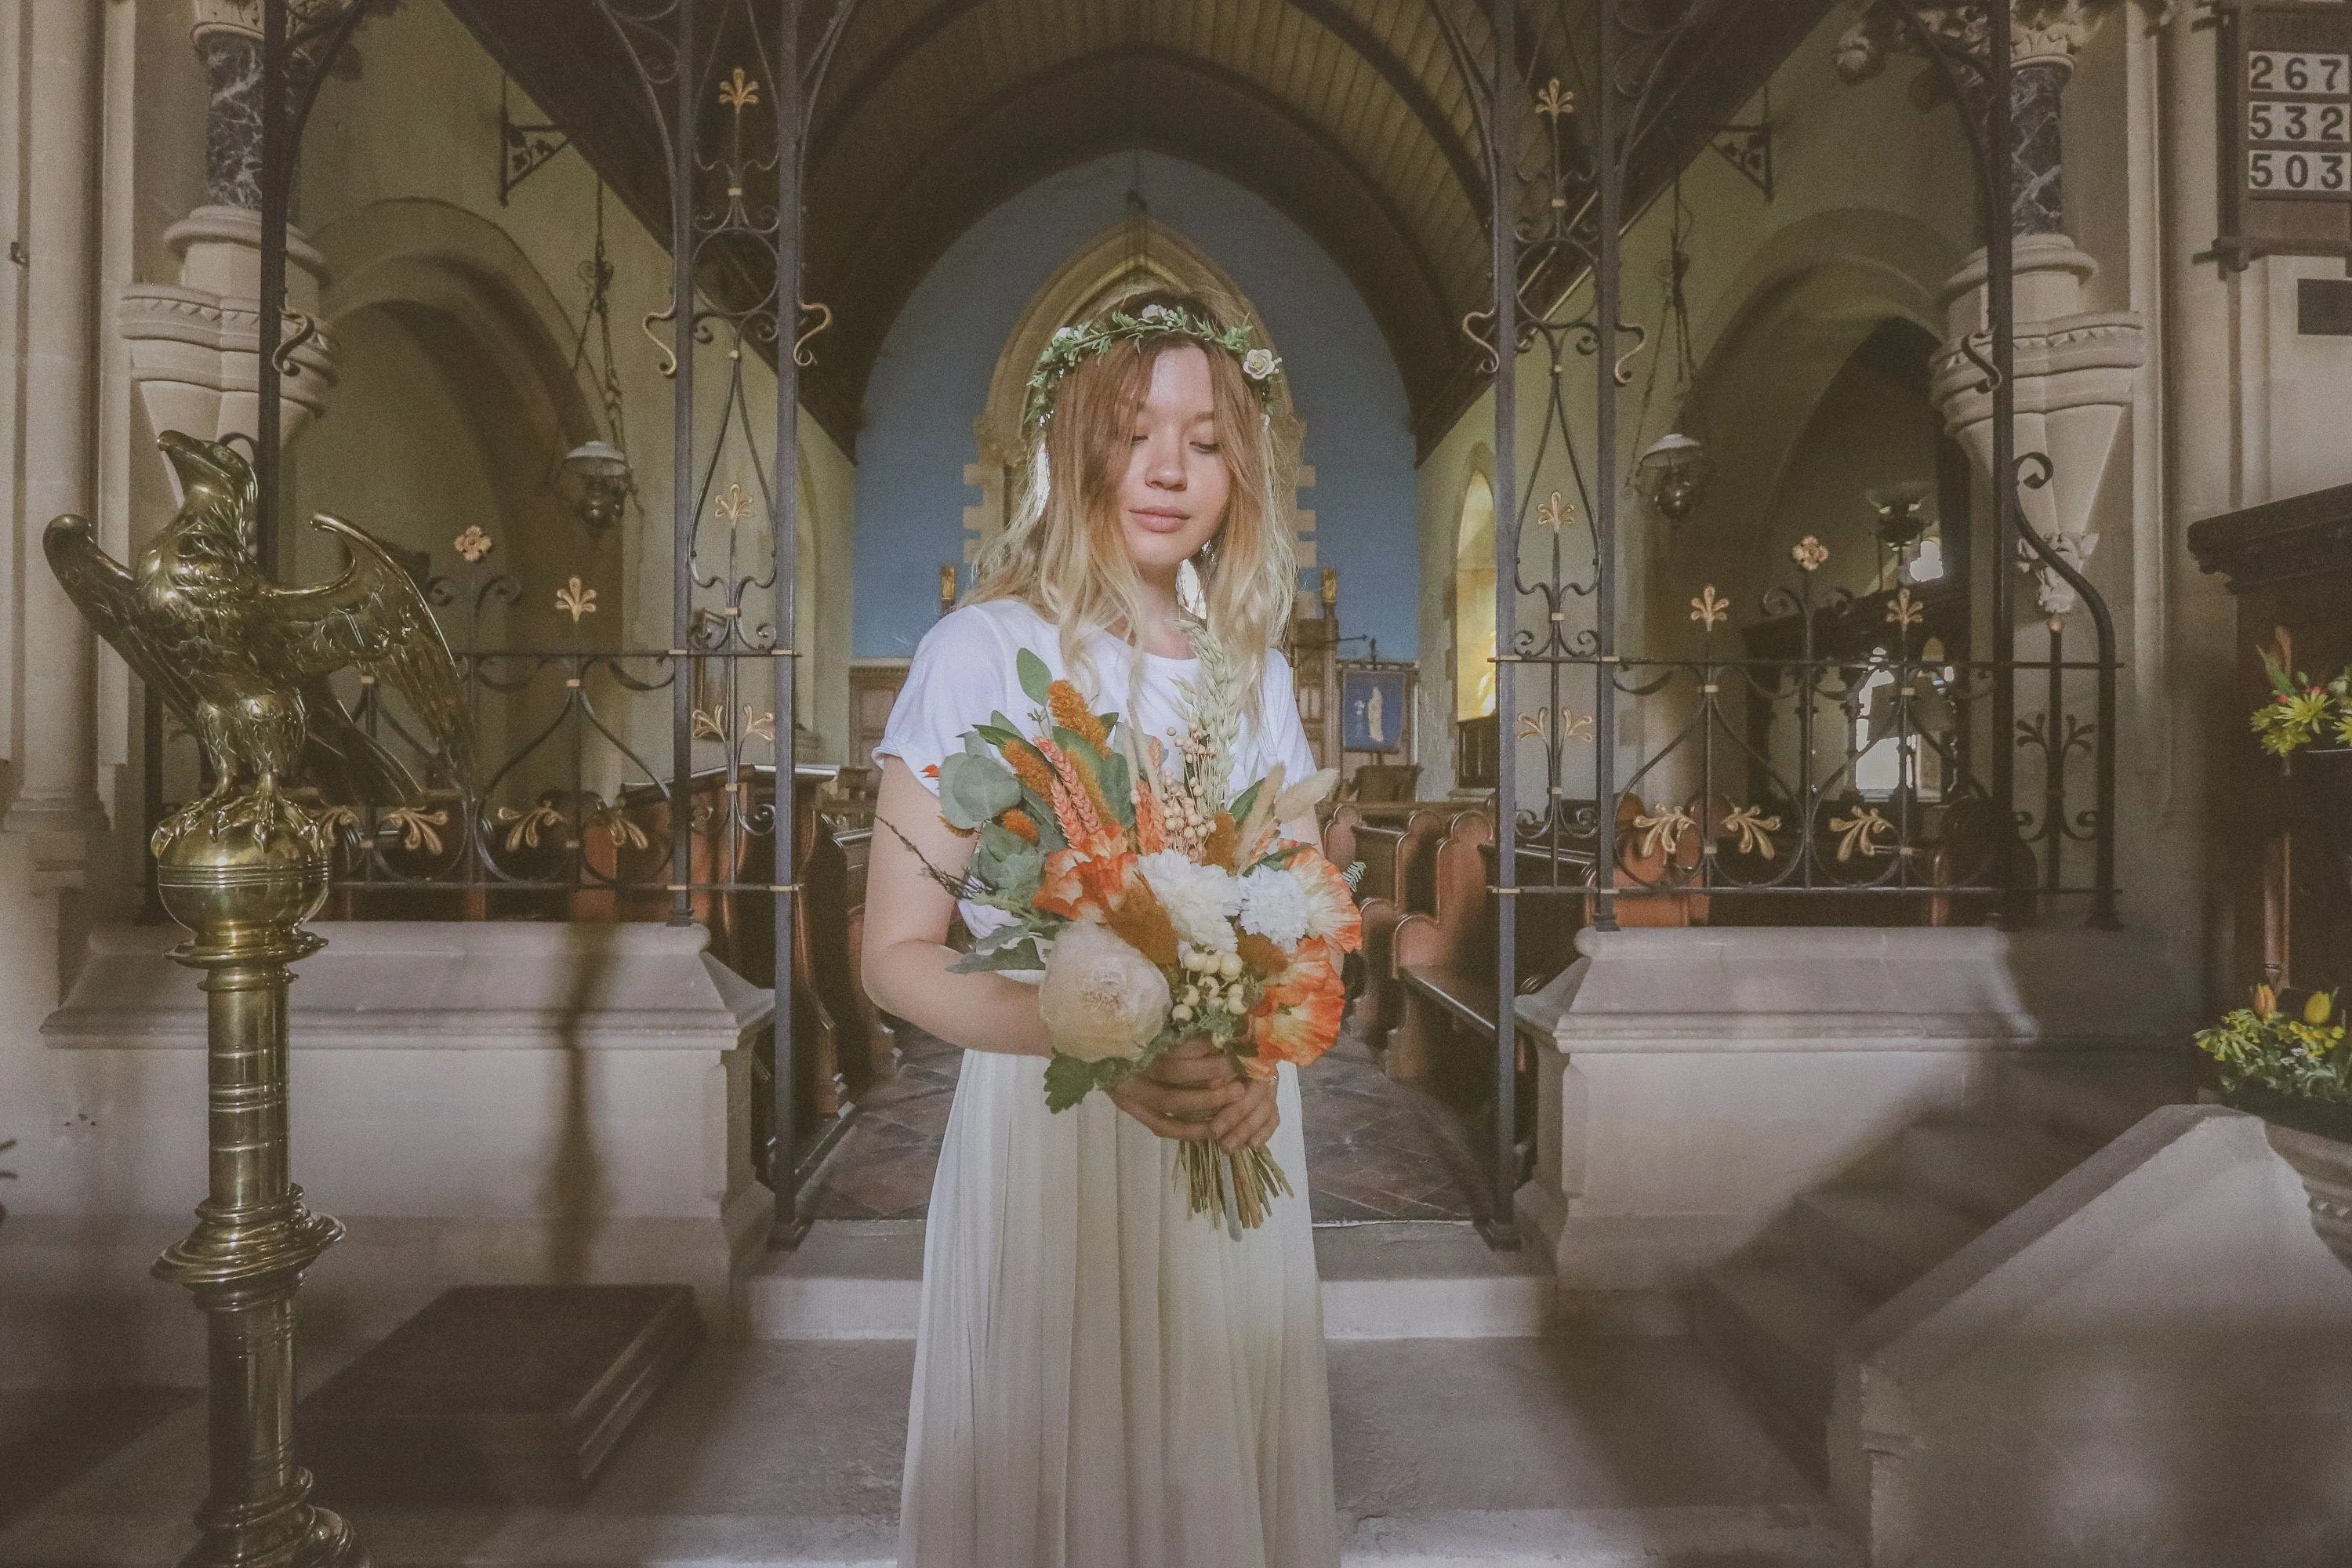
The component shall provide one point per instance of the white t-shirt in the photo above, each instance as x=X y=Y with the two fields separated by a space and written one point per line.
x=963 y=670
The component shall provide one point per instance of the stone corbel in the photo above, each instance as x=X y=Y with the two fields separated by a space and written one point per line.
x=2075 y=371
x=195 y=345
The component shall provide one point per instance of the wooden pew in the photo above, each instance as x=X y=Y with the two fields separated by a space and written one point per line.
x=1399 y=878
x=1444 y=959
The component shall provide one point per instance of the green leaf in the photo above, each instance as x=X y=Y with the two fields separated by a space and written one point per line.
x=974 y=788
x=1035 y=677
x=1021 y=955
x=1248 y=797
x=1067 y=1082
x=1010 y=865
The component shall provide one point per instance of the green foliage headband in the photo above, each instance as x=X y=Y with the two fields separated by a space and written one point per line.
x=1067 y=349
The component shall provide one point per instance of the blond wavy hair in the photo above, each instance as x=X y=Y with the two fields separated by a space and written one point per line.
x=1063 y=552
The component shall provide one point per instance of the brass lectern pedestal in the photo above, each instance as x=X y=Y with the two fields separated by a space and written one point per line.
x=243 y=877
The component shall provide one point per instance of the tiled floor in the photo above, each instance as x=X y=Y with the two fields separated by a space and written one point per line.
x=1375 y=1150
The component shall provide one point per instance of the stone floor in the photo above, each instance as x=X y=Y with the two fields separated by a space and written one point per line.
x=1602 y=1453
x=1375 y=1150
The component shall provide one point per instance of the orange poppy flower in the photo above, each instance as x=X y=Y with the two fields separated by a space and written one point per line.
x=1077 y=884
x=1298 y=1017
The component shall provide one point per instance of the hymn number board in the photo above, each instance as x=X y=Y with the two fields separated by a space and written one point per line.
x=2286 y=105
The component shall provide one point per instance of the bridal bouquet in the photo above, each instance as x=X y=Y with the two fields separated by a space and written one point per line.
x=1160 y=908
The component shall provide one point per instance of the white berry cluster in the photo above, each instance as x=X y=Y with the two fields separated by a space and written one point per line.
x=1189 y=819
x=1213 y=982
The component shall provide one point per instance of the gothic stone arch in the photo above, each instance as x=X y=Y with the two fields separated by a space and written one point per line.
x=1139 y=252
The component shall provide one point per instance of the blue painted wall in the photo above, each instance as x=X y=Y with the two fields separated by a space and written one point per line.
x=932 y=380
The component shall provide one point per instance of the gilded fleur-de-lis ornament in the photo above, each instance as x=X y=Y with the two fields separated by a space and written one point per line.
x=1753 y=830
x=1903 y=610
x=1555 y=102
x=576 y=599
x=1710 y=608
x=734 y=506
x=525 y=823
x=1661 y=830
x=739 y=91
x=1859 y=833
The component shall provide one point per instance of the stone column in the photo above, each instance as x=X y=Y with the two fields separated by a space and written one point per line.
x=56 y=770
x=228 y=41
x=2043 y=39
x=194 y=343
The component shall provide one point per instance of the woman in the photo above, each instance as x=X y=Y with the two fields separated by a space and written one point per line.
x=1104 y=1379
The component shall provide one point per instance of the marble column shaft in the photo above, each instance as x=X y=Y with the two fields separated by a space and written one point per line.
x=56 y=658
x=232 y=61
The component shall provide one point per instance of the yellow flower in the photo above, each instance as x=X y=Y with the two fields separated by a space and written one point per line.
x=2317 y=1008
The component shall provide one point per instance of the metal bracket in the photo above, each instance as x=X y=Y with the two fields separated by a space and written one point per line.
x=1748 y=149
x=523 y=150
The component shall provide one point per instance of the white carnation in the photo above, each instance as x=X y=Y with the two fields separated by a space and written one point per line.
x=1201 y=900
x=1274 y=906
x=1100 y=999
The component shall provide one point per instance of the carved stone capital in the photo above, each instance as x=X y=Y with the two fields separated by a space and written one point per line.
x=240 y=18
x=2046 y=33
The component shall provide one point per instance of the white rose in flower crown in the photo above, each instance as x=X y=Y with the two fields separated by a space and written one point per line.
x=1100 y=999
x=1274 y=906
x=1201 y=900
x=1259 y=364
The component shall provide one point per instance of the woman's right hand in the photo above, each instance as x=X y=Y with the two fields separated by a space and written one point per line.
x=1176 y=1095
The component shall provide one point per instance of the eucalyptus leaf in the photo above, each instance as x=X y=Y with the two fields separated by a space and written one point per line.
x=1035 y=677
x=972 y=789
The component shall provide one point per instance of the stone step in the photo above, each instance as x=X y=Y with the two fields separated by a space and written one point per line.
x=1488 y=1453
x=1876 y=1241
x=2096 y=1097
x=1775 y=1328
x=1982 y=1164
x=862 y=1280
x=1434 y=1280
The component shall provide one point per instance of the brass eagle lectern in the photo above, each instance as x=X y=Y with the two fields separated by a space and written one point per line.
x=245 y=663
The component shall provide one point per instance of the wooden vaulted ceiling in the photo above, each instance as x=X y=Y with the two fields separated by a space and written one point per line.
x=1348 y=116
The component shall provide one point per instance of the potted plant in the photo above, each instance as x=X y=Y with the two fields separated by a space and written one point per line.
x=2289 y=1065
x=2308 y=724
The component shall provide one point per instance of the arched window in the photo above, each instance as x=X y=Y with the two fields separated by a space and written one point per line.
x=1474 y=603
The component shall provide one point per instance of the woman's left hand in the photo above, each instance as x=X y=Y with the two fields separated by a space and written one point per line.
x=1248 y=1122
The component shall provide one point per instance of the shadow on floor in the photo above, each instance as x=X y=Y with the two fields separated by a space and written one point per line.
x=50 y=1437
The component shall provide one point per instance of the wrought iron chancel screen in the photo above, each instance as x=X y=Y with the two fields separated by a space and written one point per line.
x=1790 y=747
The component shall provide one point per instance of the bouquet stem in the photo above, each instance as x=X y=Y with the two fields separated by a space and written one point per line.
x=1234 y=1189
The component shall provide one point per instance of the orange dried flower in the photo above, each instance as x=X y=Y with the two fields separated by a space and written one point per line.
x=1142 y=923
x=1017 y=822
x=1222 y=842
x=1030 y=768
x=1068 y=706
x=1261 y=955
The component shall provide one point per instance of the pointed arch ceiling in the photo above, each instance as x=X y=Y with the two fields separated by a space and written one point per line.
x=1347 y=115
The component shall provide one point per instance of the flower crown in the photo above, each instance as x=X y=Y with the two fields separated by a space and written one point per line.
x=1068 y=348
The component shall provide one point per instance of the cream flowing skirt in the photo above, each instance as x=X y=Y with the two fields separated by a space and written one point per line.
x=1104 y=1379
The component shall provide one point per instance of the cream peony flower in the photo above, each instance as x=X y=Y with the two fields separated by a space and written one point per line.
x=1274 y=906
x=1201 y=900
x=1100 y=999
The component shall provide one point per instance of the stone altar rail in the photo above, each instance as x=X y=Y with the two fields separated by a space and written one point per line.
x=478 y=1102
x=1691 y=1082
